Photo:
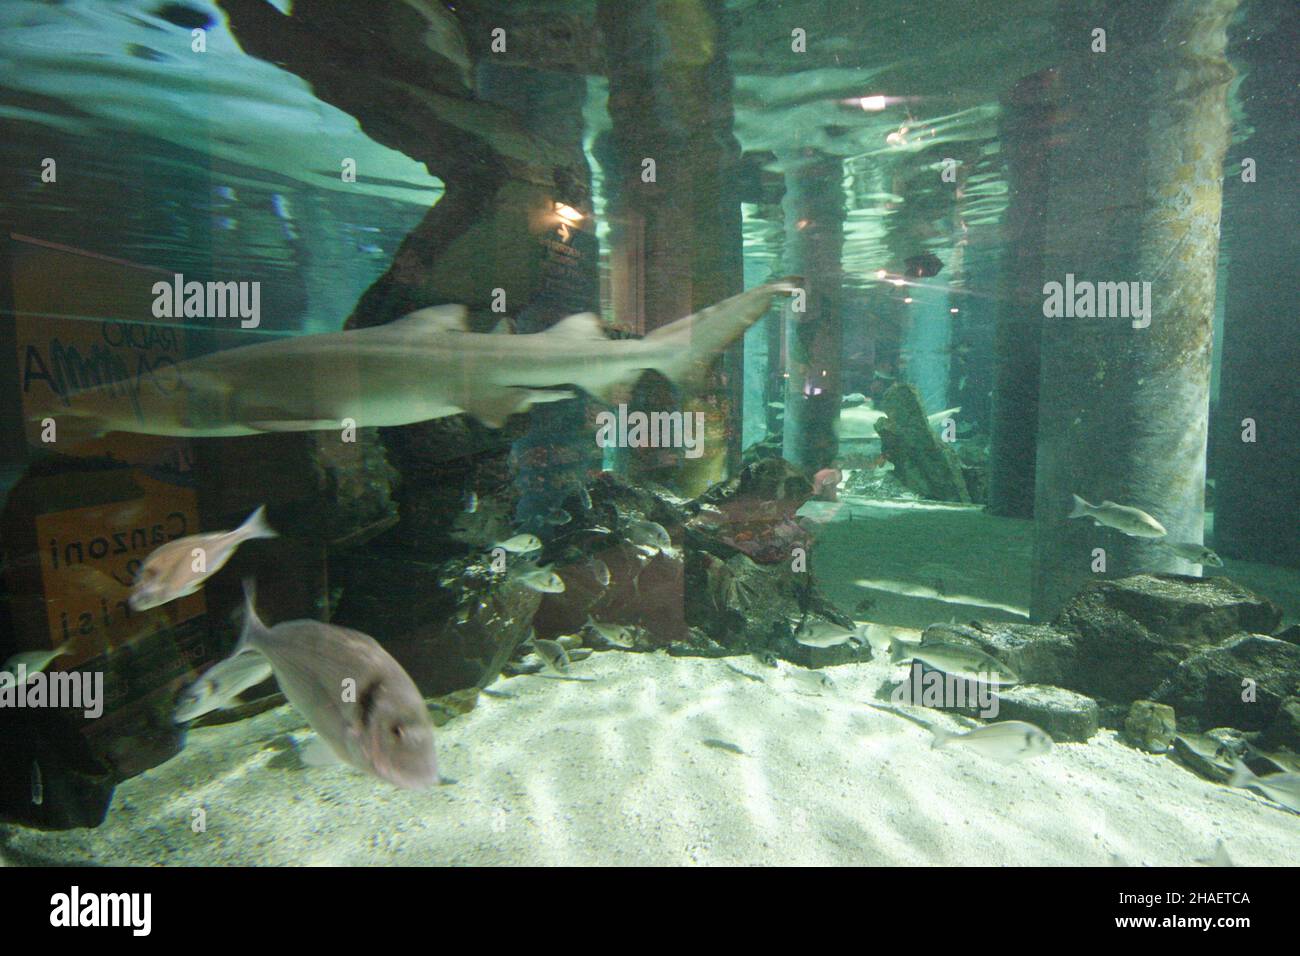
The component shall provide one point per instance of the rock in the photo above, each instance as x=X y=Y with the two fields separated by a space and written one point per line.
x=1068 y=717
x=1284 y=731
x=1039 y=654
x=1132 y=633
x=1290 y=634
x=1150 y=726
x=748 y=607
x=921 y=461
x=1203 y=756
x=1211 y=684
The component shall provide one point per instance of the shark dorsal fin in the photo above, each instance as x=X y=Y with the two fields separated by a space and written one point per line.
x=584 y=325
x=437 y=318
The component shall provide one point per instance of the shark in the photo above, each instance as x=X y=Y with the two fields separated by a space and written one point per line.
x=423 y=366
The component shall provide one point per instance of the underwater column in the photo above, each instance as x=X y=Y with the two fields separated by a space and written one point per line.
x=1257 y=510
x=1028 y=113
x=1135 y=198
x=814 y=243
x=674 y=212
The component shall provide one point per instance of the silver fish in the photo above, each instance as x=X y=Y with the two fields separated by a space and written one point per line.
x=35 y=661
x=364 y=706
x=541 y=579
x=521 y=544
x=469 y=504
x=600 y=571
x=557 y=517
x=424 y=366
x=584 y=498
x=553 y=652
x=220 y=685
x=816 y=633
x=1005 y=742
x=811 y=681
x=958 y=660
x=169 y=572
x=647 y=534
x=1131 y=521
x=615 y=636
x=1283 y=788
x=38 y=785
x=1193 y=552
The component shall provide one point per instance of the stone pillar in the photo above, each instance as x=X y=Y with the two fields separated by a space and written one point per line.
x=1028 y=115
x=1136 y=192
x=676 y=237
x=814 y=243
x=1257 y=510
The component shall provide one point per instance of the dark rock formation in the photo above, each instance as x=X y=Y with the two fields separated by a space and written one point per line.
x=1241 y=683
x=1131 y=634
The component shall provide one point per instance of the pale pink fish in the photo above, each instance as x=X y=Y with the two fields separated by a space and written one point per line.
x=180 y=567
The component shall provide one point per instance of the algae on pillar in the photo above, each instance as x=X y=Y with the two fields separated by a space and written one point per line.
x=1135 y=198
x=674 y=213
x=814 y=242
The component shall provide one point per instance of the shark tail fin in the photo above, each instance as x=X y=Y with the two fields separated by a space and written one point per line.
x=1080 y=508
x=685 y=349
x=940 y=737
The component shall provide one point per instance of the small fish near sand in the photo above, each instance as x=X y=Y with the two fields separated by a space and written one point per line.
x=542 y=580
x=1130 y=521
x=1193 y=552
x=1281 y=788
x=609 y=636
x=1004 y=742
x=365 y=708
x=823 y=634
x=599 y=571
x=553 y=653
x=220 y=685
x=180 y=567
x=521 y=544
x=957 y=660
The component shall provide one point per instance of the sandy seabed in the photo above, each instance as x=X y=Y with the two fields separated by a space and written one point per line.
x=638 y=766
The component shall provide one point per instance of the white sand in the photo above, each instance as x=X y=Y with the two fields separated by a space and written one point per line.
x=616 y=772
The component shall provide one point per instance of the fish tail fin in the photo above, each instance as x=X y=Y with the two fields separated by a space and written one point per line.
x=940 y=738
x=685 y=349
x=256 y=525
x=252 y=625
x=1241 y=774
x=1080 y=509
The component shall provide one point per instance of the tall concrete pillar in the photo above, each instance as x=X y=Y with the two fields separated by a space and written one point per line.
x=1257 y=512
x=1028 y=115
x=814 y=244
x=1135 y=197
x=674 y=210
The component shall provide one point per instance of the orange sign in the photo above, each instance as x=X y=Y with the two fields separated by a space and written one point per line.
x=89 y=558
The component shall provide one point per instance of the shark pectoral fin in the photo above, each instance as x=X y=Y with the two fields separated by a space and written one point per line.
x=493 y=408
